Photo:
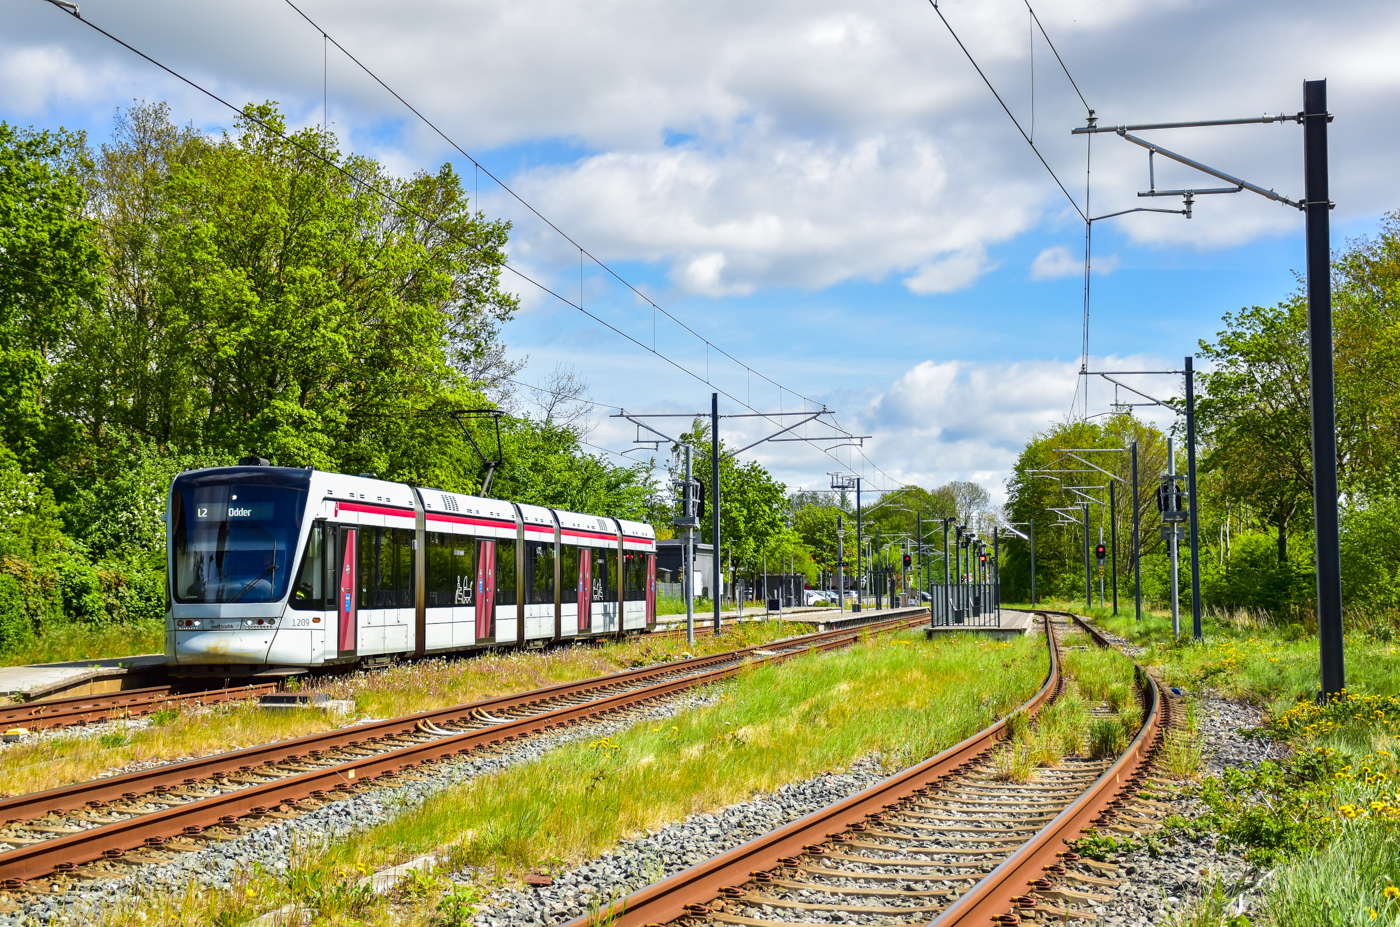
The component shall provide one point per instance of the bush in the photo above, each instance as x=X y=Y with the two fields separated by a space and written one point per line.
x=16 y=626
x=1253 y=579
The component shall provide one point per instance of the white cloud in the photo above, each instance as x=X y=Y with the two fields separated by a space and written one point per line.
x=1054 y=263
x=946 y=275
x=743 y=146
x=825 y=142
x=946 y=420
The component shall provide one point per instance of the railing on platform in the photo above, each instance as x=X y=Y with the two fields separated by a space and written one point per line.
x=976 y=605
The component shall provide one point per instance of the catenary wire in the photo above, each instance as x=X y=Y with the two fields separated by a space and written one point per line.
x=531 y=386
x=518 y=273
x=1007 y=110
x=519 y=199
x=1056 y=52
x=582 y=251
x=1084 y=212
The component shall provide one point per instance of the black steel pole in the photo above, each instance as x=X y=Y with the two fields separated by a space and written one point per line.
x=947 y=576
x=1088 y=575
x=1113 y=536
x=996 y=573
x=1324 y=426
x=714 y=507
x=1137 y=544
x=957 y=570
x=860 y=550
x=875 y=555
x=1032 y=563
x=1191 y=489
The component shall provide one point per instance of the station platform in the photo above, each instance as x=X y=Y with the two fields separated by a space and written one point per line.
x=81 y=677
x=814 y=618
x=1013 y=624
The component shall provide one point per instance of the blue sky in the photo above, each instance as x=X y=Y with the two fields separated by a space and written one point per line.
x=827 y=191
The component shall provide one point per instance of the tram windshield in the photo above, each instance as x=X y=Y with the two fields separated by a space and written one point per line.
x=234 y=533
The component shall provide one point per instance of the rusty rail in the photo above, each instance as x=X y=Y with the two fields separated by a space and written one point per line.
x=154 y=829
x=81 y=709
x=997 y=897
x=686 y=892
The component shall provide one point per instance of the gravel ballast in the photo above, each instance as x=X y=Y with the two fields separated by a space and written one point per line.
x=635 y=864
x=1162 y=877
x=271 y=847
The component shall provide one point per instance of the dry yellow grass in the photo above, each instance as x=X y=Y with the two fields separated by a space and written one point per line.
x=399 y=689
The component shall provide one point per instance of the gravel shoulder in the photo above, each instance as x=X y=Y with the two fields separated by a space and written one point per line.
x=1169 y=871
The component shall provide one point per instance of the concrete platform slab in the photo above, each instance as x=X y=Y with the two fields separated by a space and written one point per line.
x=1013 y=624
x=80 y=677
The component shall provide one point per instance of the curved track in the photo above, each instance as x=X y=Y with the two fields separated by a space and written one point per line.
x=942 y=842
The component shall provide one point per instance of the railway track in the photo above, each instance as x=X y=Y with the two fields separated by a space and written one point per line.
x=91 y=829
x=84 y=709
x=945 y=842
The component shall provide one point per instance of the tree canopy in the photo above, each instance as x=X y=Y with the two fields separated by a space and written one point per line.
x=176 y=299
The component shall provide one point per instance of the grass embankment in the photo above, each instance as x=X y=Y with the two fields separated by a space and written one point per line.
x=1326 y=818
x=71 y=642
x=896 y=697
x=400 y=689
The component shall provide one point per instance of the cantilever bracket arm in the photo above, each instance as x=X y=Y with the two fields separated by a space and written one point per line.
x=1124 y=212
x=776 y=433
x=1206 y=169
x=1095 y=466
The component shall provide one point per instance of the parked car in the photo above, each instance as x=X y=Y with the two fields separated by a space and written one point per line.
x=819 y=596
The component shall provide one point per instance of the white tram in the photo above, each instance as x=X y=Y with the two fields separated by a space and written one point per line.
x=274 y=569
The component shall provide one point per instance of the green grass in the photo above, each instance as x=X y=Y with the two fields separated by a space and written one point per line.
x=1344 y=885
x=1244 y=657
x=675 y=605
x=897 y=697
x=69 y=642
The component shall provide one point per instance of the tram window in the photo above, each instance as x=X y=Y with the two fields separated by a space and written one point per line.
x=634 y=577
x=505 y=573
x=604 y=575
x=568 y=572
x=378 y=584
x=451 y=570
x=438 y=569
x=539 y=561
x=310 y=591
x=403 y=566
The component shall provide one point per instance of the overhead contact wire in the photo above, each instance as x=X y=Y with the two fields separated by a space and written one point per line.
x=1007 y=110
x=519 y=199
x=349 y=175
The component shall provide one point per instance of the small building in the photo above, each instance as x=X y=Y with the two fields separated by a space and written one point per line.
x=670 y=564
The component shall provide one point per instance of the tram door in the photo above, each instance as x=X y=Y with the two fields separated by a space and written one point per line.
x=585 y=589
x=485 y=591
x=345 y=601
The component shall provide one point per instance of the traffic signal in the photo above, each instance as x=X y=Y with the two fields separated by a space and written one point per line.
x=1100 y=552
x=907 y=561
x=984 y=559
